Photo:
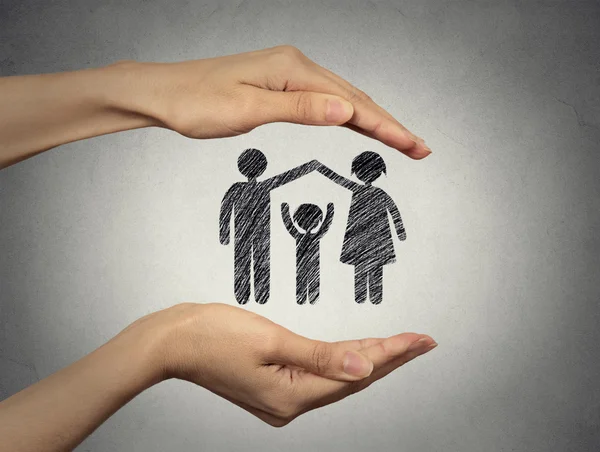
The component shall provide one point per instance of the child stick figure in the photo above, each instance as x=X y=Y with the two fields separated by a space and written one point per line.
x=307 y=217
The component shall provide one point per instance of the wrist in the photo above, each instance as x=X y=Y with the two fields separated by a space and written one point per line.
x=131 y=88
x=142 y=346
x=163 y=342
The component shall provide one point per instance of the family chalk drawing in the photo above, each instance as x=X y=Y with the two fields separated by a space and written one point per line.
x=367 y=245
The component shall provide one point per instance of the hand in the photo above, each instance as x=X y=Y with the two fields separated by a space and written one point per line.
x=322 y=168
x=258 y=365
x=224 y=237
x=314 y=165
x=264 y=368
x=402 y=235
x=285 y=208
x=231 y=95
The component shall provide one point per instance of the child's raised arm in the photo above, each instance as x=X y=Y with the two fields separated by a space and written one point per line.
x=287 y=220
x=327 y=221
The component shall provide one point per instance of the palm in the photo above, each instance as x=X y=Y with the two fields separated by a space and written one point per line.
x=307 y=391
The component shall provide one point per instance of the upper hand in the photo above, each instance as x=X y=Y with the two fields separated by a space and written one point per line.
x=231 y=95
x=264 y=368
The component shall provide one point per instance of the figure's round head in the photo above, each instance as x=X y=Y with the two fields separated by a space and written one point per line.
x=308 y=216
x=368 y=166
x=252 y=163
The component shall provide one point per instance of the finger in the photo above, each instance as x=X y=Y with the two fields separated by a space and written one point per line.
x=384 y=370
x=319 y=391
x=354 y=92
x=369 y=118
x=301 y=107
x=359 y=344
x=326 y=359
x=417 y=152
x=394 y=347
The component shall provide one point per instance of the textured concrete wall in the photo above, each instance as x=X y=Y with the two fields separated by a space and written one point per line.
x=502 y=260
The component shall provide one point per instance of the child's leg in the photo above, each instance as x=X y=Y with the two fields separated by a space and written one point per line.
x=360 y=284
x=300 y=284
x=314 y=283
x=376 y=285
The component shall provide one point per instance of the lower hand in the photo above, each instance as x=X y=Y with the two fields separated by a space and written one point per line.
x=264 y=368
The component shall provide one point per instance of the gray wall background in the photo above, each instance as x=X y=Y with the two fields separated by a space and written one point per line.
x=502 y=257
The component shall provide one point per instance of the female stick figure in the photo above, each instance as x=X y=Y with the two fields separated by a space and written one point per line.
x=368 y=241
x=307 y=217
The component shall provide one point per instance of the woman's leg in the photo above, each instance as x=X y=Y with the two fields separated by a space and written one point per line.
x=360 y=283
x=376 y=284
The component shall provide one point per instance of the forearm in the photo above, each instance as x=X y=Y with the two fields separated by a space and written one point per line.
x=39 y=112
x=58 y=412
x=399 y=224
x=400 y=231
x=335 y=177
x=397 y=218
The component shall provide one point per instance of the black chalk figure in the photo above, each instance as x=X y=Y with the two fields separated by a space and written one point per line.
x=307 y=229
x=251 y=205
x=368 y=241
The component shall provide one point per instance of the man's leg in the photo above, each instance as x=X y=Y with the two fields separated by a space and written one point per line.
x=376 y=285
x=241 y=270
x=262 y=268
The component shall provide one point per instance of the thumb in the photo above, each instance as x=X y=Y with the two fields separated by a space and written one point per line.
x=304 y=107
x=331 y=360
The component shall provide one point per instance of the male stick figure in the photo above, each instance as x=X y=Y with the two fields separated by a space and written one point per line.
x=251 y=205
x=307 y=217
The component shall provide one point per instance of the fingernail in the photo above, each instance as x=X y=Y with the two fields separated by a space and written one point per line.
x=404 y=131
x=338 y=111
x=417 y=344
x=429 y=348
x=357 y=365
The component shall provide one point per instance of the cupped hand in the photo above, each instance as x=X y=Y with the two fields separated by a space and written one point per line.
x=231 y=95
x=266 y=369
